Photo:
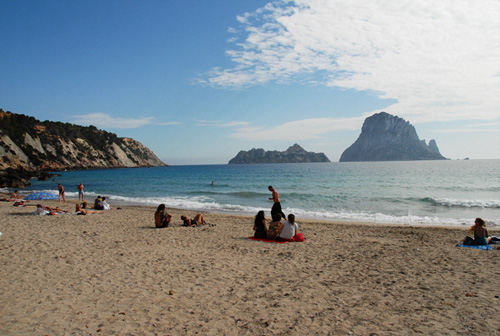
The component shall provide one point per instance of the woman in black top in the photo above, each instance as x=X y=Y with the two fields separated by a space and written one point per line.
x=260 y=225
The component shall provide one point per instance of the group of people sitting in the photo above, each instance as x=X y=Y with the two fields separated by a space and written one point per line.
x=287 y=230
x=14 y=197
x=100 y=204
x=163 y=218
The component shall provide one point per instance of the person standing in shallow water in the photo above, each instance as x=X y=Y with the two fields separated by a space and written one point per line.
x=276 y=209
x=81 y=190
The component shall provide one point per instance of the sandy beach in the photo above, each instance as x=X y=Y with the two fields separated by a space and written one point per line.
x=114 y=274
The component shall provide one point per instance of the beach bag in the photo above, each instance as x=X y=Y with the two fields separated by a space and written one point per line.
x=469 y=241
x=495 y=240
x=299 y=237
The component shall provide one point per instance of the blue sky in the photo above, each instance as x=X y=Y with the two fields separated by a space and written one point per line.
x=198 y=81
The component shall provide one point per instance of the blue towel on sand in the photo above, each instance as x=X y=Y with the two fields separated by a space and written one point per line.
x=478 y=247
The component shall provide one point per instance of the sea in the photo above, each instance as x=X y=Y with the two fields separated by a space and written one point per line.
x=447 y=193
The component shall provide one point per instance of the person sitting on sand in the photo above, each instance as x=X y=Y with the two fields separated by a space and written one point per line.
x=162 y=217
x=97 y=203
x=290 y=230
x=480 y=232
x=275 y=227
x=80 y=211
x=104 y=204
x=15 y=195
x=260 y=225
x=196 y=221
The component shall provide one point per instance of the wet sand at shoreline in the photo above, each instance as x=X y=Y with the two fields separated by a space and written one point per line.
x=113 y=273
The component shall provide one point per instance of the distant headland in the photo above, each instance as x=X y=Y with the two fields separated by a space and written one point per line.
x=29 y=146
x=294 y=154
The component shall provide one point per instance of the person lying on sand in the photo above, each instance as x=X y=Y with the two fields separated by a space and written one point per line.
x=162 y=217
x=55 y=209
x=196 y=221
x=40 y=210
x=46 y=210
x=80 y=211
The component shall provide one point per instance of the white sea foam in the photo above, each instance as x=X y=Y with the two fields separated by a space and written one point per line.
x=478 y=203
x=204 y=203
x=383 y=218
x=394 y=192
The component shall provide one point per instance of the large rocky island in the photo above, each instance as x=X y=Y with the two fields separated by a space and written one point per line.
x=294 y=154
x=29 y=146
x=385 y=137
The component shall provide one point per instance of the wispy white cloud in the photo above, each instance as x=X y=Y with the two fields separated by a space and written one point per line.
x=493 y=127
x=222 y=123
x=102 y=120
x=439 y=60
x=298 y=130
x=169 y=123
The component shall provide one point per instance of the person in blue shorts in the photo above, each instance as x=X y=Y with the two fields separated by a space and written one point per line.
x=81 y=190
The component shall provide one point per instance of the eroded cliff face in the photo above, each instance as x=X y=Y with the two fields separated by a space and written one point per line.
x=26 y=143
x=385 y=137
x=294 y=154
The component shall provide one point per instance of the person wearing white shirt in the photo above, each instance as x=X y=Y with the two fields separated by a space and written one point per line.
x=289 y=230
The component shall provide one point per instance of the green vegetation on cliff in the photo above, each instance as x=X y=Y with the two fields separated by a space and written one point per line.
x=30 y=144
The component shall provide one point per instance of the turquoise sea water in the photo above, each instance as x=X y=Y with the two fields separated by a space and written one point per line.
x=416 y=192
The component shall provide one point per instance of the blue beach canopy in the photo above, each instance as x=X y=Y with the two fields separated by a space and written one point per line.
x=42 y=195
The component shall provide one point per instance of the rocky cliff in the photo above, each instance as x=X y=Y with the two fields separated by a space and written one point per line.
x=30 y=145
x=294 y=154
x=385 y=137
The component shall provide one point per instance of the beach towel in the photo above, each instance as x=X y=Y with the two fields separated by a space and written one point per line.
x=477 y=247
x=268 y=240
x=299 y=237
